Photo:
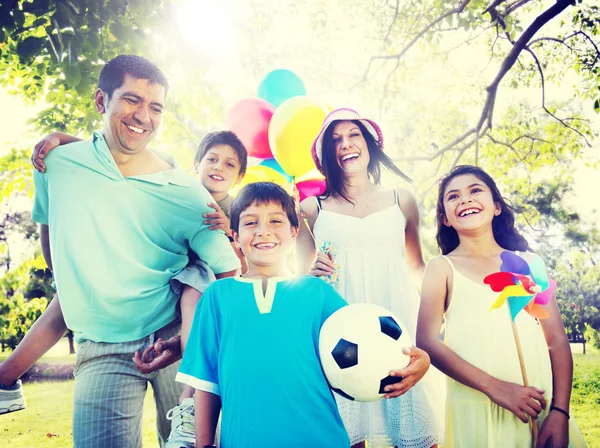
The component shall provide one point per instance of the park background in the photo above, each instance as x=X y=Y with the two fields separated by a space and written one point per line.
x=510 y=85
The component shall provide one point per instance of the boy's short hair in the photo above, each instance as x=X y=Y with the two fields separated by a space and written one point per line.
x=223 y=138
x=113 y=73
x=262 y=193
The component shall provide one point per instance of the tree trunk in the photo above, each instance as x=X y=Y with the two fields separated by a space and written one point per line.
x=71 y=344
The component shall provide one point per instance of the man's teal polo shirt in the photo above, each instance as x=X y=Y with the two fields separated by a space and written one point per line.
x=117 y=241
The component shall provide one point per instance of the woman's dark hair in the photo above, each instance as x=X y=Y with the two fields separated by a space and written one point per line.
x=223 y=138
x=503 y=225
x=333 y=172
x=262 y=193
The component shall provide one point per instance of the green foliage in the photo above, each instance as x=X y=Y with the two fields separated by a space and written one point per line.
x=593 y=337
x=18 y=313
x=578 y=293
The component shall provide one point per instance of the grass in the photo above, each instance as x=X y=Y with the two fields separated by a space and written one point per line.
x=46 y=423
x=585 y=398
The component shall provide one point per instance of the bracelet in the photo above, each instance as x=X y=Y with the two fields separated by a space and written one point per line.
x=562 y=411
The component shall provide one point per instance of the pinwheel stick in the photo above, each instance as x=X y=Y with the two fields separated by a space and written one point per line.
x=532 y=421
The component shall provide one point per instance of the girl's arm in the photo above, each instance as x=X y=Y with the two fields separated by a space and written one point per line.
x=413 y=254
x=555 y=427
x=207 y=407
x=305 y=244
x=519 y=400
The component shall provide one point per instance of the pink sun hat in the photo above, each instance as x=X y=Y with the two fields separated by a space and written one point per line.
x=343 y=114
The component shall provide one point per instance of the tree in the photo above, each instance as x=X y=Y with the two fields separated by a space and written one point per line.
x=578 y=294
x=501 y=23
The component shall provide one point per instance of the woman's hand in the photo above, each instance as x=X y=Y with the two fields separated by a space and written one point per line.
x=520 y=400
x=411 y=374
x=323 y=265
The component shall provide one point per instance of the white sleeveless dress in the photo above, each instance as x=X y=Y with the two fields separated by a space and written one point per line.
x=370 y=253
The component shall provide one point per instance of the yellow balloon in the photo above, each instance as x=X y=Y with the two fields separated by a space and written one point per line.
x=260 y=173
x=312 y=174
x=293 y=128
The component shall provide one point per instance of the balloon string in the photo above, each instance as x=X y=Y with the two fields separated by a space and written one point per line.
x=296 y=196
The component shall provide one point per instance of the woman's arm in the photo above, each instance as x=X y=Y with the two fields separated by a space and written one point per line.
x=520 y=400
x=413 y=253
x=305 y=243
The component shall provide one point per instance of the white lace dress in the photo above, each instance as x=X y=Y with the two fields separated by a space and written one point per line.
x=370 y=252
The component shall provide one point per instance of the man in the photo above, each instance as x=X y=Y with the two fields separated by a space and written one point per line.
x=117 y=228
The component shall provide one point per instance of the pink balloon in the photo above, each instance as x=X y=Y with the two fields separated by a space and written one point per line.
x=249 y=119
x=310 y=187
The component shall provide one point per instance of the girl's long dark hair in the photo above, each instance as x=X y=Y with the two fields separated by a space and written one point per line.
x=503 y=225
x=333 y=173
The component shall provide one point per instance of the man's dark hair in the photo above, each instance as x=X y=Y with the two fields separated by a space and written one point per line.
x=262 y=193
x=113 y=73
x=223 y=138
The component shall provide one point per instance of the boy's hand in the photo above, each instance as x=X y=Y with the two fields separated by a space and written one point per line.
x=158 y=355
x=41 y=149
x=554 y=432
x=411 y=374
x=217 y=219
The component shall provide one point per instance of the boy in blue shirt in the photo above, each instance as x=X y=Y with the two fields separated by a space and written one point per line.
x=253 y=346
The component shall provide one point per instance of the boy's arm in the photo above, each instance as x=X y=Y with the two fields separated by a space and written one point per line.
x=41 y=337
x=48 y=143
x=207 y=408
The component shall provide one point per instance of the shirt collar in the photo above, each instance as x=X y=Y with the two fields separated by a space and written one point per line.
x=175 y=176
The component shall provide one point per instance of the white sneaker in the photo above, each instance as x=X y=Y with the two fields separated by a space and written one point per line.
x=11 y=398
x=182 y=425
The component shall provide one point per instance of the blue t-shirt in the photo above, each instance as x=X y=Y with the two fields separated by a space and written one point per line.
x=260 y=353
x=117 y=241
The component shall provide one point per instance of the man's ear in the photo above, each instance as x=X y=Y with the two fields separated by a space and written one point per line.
x=101 y=101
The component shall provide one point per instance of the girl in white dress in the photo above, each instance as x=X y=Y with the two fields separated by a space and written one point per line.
x=375 y=238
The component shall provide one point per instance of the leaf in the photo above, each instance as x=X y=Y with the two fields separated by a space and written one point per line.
x=597 y=105
x=28 y=48
x=72 y=74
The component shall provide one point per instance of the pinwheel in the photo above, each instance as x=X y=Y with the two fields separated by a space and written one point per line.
x=525 y=285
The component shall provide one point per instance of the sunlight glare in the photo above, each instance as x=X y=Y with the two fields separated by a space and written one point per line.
x=206 y=25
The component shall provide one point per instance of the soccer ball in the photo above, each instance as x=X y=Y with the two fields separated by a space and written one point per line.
x=359 y=344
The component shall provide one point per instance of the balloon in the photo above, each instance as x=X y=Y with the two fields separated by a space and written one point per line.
x=293 y=128
x=312 y=174
x=310 y=187
x=259 y=173
x=280 y=85
x=272 y=163
x=249 y=119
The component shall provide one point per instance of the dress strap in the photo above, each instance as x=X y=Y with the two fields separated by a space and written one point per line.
x=449 y=262
x=318 y=203
x=396 y=198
